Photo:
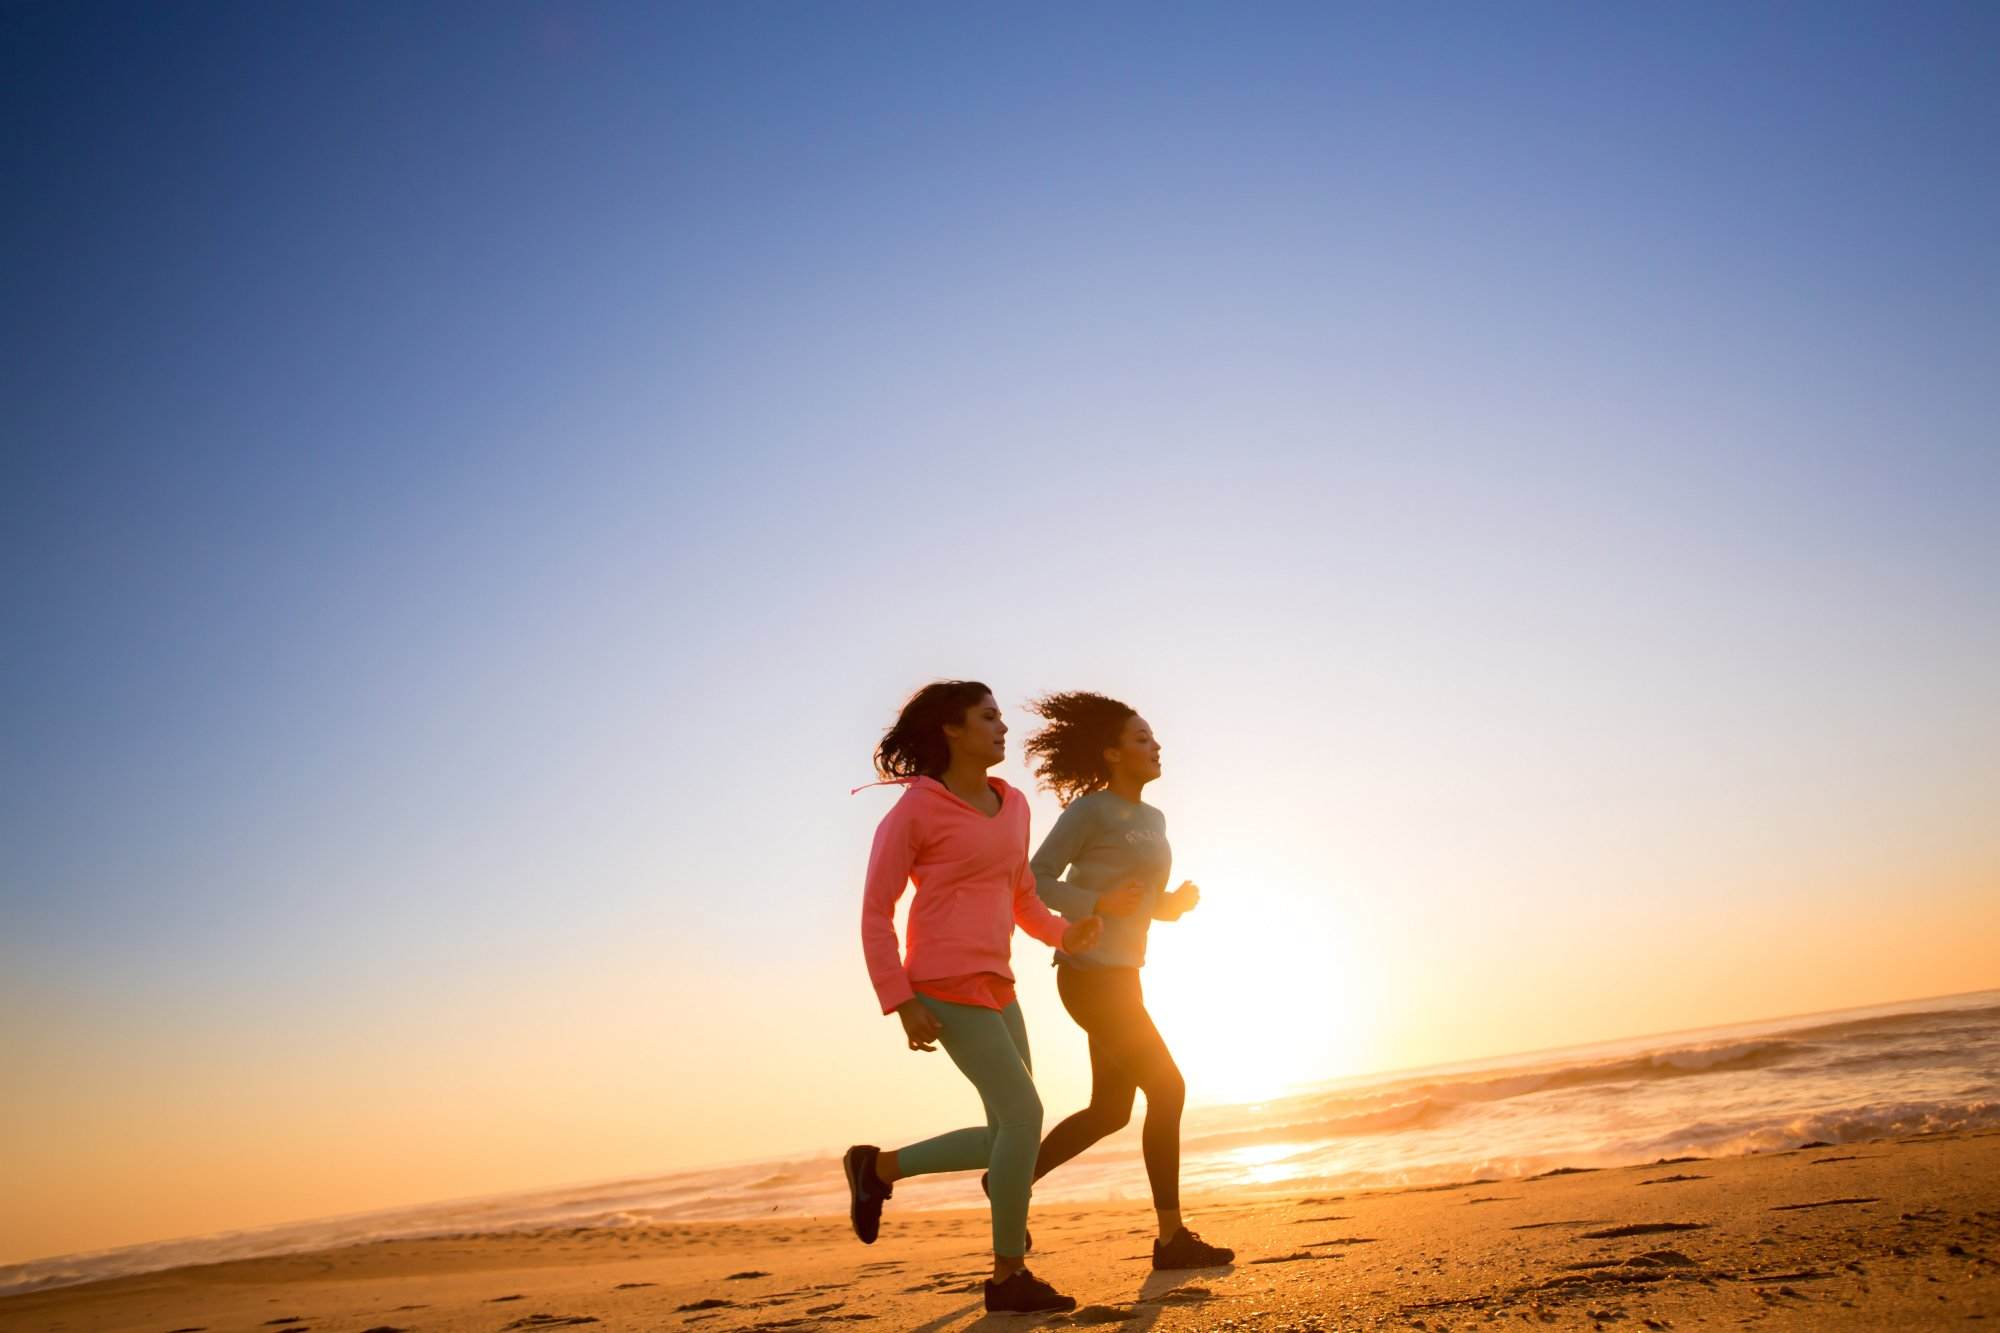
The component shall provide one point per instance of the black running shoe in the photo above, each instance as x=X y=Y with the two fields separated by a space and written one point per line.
x=1024 y=1293
x=1027 y=1236
x=865 y=1191
x=1187 y=1250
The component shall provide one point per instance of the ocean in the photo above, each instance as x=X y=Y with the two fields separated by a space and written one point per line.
x=1923 y=1066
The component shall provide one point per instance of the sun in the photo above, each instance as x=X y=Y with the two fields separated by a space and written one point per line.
x=1251 y=1011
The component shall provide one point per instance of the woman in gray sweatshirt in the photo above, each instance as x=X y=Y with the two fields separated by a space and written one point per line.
x=1107 y=856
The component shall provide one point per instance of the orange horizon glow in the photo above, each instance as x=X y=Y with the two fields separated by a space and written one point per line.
x=557 y=1101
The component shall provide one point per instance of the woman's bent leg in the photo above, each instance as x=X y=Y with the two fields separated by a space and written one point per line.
x=959 y=1150
x=1096 y=999
x=991 y=1049
x=1015 y=1113
x=1126 y=1053
x=1111 y=1093
x=1111 y=1006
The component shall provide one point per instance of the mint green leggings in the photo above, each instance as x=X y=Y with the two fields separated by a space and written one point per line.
x=991 y=1049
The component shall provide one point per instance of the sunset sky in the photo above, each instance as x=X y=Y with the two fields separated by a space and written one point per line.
x=479 y=479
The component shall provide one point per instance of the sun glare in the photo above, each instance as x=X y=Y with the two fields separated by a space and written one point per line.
x=1264 y=1164
x=1251 y=1010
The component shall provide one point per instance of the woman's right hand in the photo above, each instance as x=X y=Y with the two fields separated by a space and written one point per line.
x=1121 y=901
x=1082 y=936
x=920 y=1025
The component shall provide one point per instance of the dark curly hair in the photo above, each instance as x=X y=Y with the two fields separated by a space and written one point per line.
x=915 y=746
x=1068 y=753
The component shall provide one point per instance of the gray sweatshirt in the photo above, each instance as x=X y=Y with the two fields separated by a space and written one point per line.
x=1102 y=840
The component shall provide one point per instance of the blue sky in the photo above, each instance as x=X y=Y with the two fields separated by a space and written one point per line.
x=478 y=479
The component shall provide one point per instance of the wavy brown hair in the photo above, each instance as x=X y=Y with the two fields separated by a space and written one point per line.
x=1068 y=752
x=915 y=745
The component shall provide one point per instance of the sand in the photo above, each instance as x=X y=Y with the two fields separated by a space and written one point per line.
x=1892 y=1234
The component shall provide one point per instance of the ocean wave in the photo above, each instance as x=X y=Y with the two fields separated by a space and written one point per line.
x=1673 y=1063
x=1853 y=1124
x=1980 y=1017
x=1908 y=1054
x=1395 y=1118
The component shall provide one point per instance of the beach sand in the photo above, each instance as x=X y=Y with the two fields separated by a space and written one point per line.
x=1891 y=1234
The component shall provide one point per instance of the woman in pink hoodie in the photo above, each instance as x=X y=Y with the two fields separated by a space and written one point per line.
x=961 y=837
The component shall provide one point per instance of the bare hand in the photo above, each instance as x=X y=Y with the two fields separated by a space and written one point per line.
x=1182 y=900
x=920 y=1025
x=1082 y=937
x=1121 y=901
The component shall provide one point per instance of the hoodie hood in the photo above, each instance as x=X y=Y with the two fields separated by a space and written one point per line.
x=928 y=784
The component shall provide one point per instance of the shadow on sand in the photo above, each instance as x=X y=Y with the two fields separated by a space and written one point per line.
x=1156 y=1293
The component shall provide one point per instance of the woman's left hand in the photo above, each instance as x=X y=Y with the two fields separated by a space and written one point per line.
x=1082 y=936
x=1182 y=900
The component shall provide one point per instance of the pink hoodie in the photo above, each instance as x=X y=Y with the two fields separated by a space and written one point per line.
x=973 y=882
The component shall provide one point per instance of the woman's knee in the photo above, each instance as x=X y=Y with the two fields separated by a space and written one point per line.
x=1166 y=1091
x=1023 y=1111
x=1111 y=1114
x=1106 y=1121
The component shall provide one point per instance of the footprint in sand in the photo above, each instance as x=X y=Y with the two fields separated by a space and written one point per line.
x=627 y=1286
x=552 y=1320
x=1650 y=1259
x=1102 y=1314
x=1821 y=1203
x=705 y=1303
x=1798 y=1275
x=1454 y=1185
x=1670 y=1180
x=745 y=1275
x=1661 y=1259
x=1643 y=1229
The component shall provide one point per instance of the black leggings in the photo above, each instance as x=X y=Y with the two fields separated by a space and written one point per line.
x=1126 y=1056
